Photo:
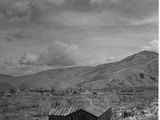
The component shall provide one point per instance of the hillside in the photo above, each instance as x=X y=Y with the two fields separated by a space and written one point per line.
x=128 y=71
x=6 y=82
x=140 y=69
x=130 y=83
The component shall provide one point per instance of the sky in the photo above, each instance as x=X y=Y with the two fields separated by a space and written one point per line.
x=75 y=32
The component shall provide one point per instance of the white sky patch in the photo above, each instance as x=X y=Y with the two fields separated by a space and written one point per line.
x=153 y=46
x=68 y=47
x=147 y=20
x=29 y=58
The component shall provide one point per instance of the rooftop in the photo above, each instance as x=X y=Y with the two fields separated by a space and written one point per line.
x=66 y=110
x=63 y=111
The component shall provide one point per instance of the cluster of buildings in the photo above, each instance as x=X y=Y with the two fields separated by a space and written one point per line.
x=149 y=112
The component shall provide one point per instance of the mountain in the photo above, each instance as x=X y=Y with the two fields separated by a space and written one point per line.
x=127 y=71
x=6 y=86
x=132 y=78
x=58 y=78
x=6 y=82
x=140 y=69
x=5 y=78
x=152 y=67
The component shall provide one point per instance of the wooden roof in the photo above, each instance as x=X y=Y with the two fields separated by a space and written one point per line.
x=63 y=111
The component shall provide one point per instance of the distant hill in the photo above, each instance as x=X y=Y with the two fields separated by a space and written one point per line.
x=6 y=82
x=5 y=78
x=127 y=71
x=152 y=67
x=6 y=86
x=140 y=69
x=132 y=78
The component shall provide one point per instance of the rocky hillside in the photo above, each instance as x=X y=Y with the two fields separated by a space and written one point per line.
x=140 y=69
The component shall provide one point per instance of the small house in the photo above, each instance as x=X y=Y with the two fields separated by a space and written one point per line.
x=72 y=113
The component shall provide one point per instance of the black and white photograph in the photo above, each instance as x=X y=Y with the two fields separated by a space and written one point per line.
x=79 y=59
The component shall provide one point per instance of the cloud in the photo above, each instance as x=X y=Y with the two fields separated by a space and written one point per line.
x=58 y=54
x=57 y=2
x=25 y=11
x=148 y=20
x=96 y=1
x=152 y=45
x=78 y=5
x=28 y=59
x=77 y=22
x=38 y=11
x=97 y=13
x=105 y=18
x=61 y=54
x=15 y=10
x=134 y=8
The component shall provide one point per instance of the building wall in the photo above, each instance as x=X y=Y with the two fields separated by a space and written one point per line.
x=107 y=115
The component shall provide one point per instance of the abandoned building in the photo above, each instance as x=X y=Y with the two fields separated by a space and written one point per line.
x=72 y=113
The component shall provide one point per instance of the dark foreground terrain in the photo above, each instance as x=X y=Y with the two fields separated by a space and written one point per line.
x=130 y=85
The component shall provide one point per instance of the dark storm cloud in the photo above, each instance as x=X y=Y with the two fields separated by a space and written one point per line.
x=35 y=10
x=14 y=9
x=129 y=8
x=26 y=10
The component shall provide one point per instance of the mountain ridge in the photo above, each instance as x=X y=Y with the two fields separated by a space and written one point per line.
x=144 y=62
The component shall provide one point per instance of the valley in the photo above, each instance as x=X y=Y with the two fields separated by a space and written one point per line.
x=131 y=84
